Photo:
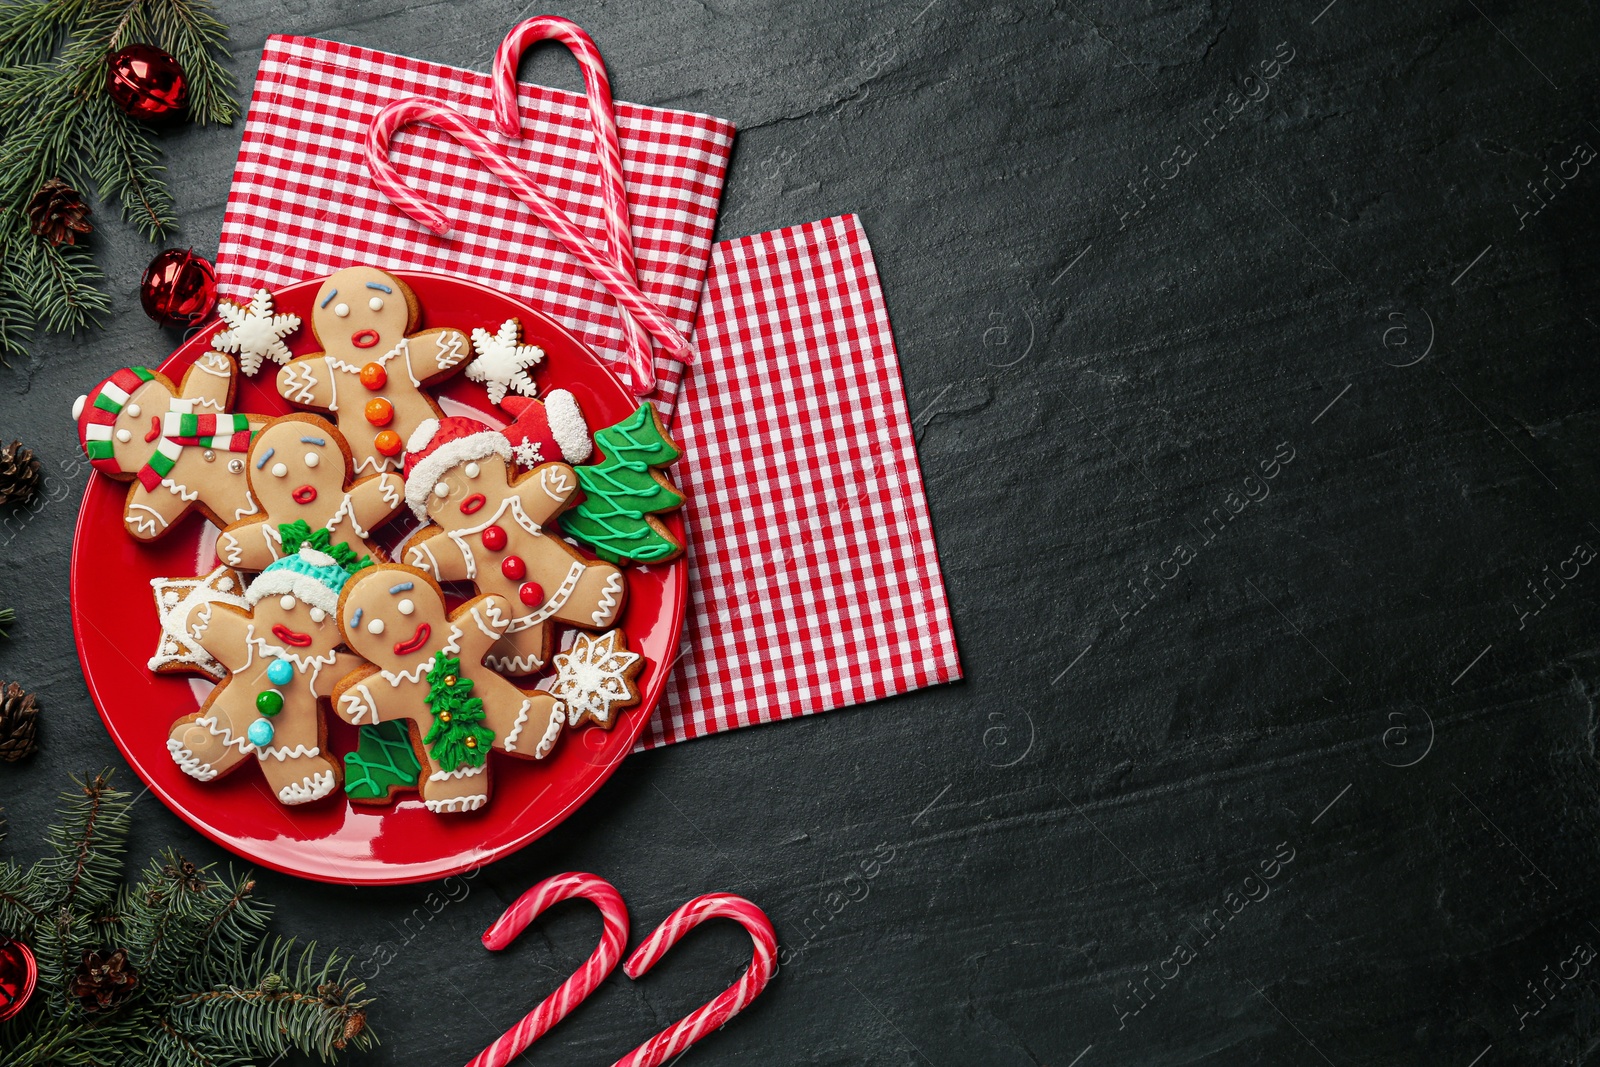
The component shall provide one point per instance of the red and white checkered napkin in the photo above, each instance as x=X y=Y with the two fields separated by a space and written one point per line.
x=814 y=582
x=303 y=203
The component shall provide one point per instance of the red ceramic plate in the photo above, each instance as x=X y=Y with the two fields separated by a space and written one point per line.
x=115 y=622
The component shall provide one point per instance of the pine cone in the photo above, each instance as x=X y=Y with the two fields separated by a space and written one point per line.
x=19 y=722
x=102 y=983
x=19 y=474
x=57 y=213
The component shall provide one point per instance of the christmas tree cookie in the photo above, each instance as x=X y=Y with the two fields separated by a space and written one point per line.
x=625 y=491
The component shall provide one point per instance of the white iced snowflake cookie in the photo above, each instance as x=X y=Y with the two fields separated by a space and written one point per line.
x=503 y=362
x=254 y=333
x=179 y=598
x=595 y=677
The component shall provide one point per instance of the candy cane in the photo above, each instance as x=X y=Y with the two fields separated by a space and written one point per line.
x=418 y=109
x=582 y=982
x=608 y=148
x=731 y=1001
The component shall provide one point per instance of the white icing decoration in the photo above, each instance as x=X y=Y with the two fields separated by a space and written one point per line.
x=286 y=602
x=279 y=470
x=568 y=426
x=375 y=626
x=299 y=383
x=528 y=453
x=449 y=351
x=188 y=762
x=255 y=333
x=176 y=599
x=133 y=411
x=472 y=803
x=124 y=436
x=406 y=607
x=459 y=773
x=179 y=490
x=471 y=470
x=376 y=303
x=312 y=787
x=342 y=309
x=610 y=595
x=502 y=361
x=312 y=459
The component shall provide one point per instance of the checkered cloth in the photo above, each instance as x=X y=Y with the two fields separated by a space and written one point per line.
x=304 y=205
x=813 y=580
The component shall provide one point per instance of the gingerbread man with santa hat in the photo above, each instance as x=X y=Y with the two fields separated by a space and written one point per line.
x=492 y=526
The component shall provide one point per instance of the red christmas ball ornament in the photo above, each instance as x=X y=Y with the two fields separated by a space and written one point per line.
x=18 y=976
x=146 y=83
x=179 y=288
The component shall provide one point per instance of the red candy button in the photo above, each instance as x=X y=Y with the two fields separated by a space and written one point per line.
x=373 y=376
x=513 y=567
x=494 y=538
x=379 y=411
x=531 y=594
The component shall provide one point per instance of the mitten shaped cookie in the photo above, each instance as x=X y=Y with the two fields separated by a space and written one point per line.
x=427 y=670
x=181 y=446
x=282 y=656
x=371 y=371
x=300 y=471
x=490 y=530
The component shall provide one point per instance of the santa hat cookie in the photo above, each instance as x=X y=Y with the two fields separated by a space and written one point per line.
x=438 y=445
x=545 y=432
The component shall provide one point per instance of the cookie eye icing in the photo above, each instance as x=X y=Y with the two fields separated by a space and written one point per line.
x=403 y=587
x=279 y=470
x=341 y=309
x=441 y=490
x=471 y=470
x=124 y=436
x=317 y=614
x=355 y=620
x=376 y=303
x=262 y=462
x=133 y=411
x=286 y=602
x=406 y=606
x=380 y=287
x=318 y=441
x=312 y=459
x=329 y=298
x=375 y=627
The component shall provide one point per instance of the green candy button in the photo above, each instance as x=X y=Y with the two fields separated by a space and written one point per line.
x=269 y=702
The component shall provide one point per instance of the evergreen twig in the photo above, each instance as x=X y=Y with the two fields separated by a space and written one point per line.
x=213 y=989
x=56 y=121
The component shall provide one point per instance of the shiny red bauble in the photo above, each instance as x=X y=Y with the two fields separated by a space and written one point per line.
x=494 y=538
x=18 y=976
x=513 y=568
x=179 y=288
x=146 y=83
x=531 y=594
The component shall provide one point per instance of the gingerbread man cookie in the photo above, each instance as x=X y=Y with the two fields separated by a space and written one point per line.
x=490 y=530
x=427 y=670
x=282 y=657
x=371 y=371
x=299 y=468
x=180 y=446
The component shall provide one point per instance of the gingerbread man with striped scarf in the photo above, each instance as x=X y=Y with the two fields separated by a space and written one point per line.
x=181 y=447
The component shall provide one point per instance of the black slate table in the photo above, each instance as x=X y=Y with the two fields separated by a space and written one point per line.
x=1251 y=350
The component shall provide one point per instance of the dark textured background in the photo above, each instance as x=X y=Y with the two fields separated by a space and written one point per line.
x=1349 y=670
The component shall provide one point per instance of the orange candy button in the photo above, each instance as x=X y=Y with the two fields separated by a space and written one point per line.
x=373 y=376
x=379 y=411
x=387 y=443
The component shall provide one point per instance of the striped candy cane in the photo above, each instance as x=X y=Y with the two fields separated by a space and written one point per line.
x=731 y=1001
x=555 y=1007
x=608 y=149
x=419 y=109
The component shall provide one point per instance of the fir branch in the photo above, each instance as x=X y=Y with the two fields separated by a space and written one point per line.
x=308 y=1006
x=31 y=29
x=126 y=166
x=88 y=844
x=191 y=32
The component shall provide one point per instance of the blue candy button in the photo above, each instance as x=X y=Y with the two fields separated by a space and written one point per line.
x=280 y=672
x=260 y=732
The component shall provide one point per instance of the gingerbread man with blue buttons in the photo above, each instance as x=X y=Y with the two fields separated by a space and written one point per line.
x=283 y=656
x=371 y=372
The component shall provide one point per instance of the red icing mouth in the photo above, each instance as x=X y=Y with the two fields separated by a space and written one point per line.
x=472 y=503
x=418 y=639
x=290 y=637
x=364 y=338
x=155 y=429
x=304 y=495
